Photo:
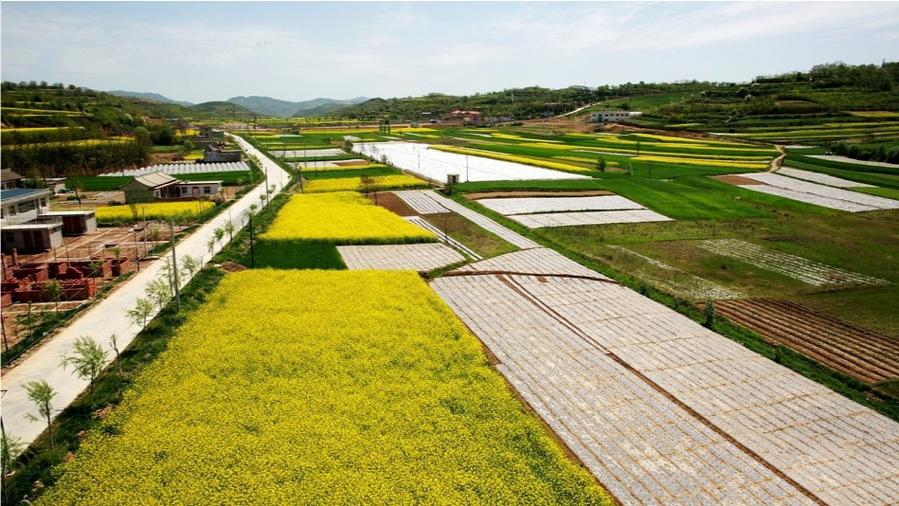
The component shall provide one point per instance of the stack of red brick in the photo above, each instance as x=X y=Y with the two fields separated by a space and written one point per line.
x=28 y=282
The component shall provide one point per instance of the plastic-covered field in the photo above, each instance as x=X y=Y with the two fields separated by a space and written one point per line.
x=802 y=269
x=435 y=165
x=818 y=194
x=184 y=168
x=527 y=205
x=399 y=257
x=540 y=220
x=817 y=177
x=309 y=153
x=662 y=410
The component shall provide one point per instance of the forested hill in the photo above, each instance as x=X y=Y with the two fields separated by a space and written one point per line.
x=822 y=89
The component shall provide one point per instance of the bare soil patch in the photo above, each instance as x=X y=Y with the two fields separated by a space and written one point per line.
x=858 y=352
x=392 y=203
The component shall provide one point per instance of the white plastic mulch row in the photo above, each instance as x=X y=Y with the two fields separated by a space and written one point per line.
x=653 y=403
x=817 y=177
x=837 y=158
x=419 y=257
x=533 y=261
x=802 y=269
x=528 y=205
x=435 y=165
x=690 y=285
x=420 y=202
x=588 y=218
x=326 y=163
x=444 y=238
x=309 y=153
x=819 y=194
x=639 y=445
x=184 y=168
x=482 y=221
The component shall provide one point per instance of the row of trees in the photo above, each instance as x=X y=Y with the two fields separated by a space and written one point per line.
x=881 y=152
x=74 y=158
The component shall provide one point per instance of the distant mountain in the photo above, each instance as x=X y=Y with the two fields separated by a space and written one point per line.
x=221 y=109
x=153 y=97
x=282 y=108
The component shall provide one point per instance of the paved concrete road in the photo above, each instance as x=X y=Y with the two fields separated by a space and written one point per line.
x=108 y=317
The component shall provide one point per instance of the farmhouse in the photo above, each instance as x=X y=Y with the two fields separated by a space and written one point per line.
x=612 y=116
x=9 y=179
x=197 y=189
x=150 y=187
x=161 y=186
x=29 y=225
x=466 y=116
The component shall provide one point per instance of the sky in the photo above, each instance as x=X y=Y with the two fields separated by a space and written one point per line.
x=295 y=51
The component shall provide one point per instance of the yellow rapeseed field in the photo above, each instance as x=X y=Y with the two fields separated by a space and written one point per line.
x=566 y=167
x=341 y=218
x=391 y=182
x=152 y=211
x=699 y=161
x=347 y=167
x=315 y=387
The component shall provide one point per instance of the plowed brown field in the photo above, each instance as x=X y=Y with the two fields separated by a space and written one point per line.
x=852 y=350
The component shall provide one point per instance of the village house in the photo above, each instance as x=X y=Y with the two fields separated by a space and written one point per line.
x=9 y=179
x=160 y=186
x=27 y=223
x=612 y=116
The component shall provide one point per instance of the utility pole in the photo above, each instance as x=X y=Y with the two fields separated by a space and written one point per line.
x=252 y=252
x=175 y=264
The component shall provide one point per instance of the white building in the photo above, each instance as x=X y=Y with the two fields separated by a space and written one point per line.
x=612 y=116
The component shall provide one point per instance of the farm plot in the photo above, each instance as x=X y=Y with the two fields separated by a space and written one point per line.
x=436 y=165
x=816 y=177
x=341 y=218
x=309 y=153
x=796 y=267
x=178 y=211
x=321 y=387
x=818 y=194
x=677 y=281
x=183 y=168
x=846 y=159
x=857 y=352
x=588 y=218
x=397 y=257
x=379 y=183
x=417 y=199
x=531 y=205
x=663 y=410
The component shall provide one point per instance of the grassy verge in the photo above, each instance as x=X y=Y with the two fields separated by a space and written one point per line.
x=840 y=383
x=481 y=241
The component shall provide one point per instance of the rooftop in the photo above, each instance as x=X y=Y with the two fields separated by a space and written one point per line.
x=17 y=194
x=156 y=179
x=9 y=175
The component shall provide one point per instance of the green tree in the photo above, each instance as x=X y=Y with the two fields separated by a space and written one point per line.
x=141 y=311
x=229 y=228
x=10 y=448
x=114 y=342
x=42 y=394
x=87 y=360
x=601 y=165
x=142 y=136
x=53 y=291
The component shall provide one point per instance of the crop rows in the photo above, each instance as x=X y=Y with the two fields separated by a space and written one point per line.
x=673 y=388
x=379 y=183
x=816 y=177
x=588 y=218
x=858 y=352
x=399 y=257
x=796 y=267
x=817 y=194
x=529 y=205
